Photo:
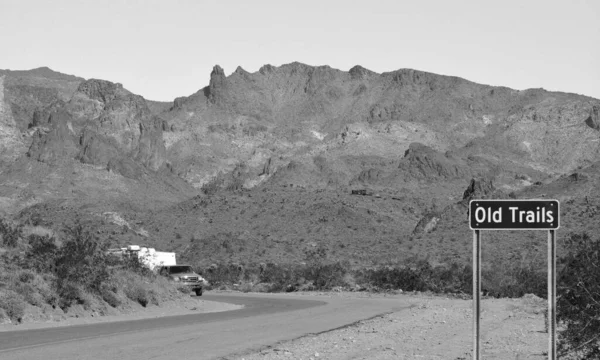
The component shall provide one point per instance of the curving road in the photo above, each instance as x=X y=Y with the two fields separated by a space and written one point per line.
x=264 y=320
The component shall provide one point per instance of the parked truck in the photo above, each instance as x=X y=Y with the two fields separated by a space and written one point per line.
x=185 y=276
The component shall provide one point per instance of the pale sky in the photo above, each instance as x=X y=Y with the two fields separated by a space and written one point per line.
x=165 y=49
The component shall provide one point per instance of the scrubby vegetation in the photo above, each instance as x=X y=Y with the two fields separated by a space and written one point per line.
x=578 y=303
x=72 y=272
x=416 y=274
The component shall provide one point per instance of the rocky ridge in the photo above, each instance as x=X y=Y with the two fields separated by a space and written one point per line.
x=291 y=144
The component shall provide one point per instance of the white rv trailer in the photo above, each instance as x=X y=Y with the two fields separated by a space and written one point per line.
x=147 y=255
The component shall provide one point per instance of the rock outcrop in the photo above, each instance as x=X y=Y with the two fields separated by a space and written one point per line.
x=216 y=87
x=11 y=143
x=479 y=188
x=422 y=161
x=593 y=120
x=120 y=122
x=102 y=124
x=55 y=143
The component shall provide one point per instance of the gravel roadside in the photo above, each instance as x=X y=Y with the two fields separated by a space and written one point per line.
x=433 y=328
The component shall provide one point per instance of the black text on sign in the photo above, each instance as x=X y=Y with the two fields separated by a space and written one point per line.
x=514 y=214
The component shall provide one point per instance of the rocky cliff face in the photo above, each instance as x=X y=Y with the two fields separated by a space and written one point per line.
x=58 y=117
x=63 y=137
x=55 y=143
x=118 y=120
x=362 y=113
x=11 y=142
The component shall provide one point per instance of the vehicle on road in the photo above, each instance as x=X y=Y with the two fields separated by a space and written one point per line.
x=185 y=275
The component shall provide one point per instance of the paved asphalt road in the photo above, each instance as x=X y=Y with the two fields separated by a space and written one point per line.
x=264 y=320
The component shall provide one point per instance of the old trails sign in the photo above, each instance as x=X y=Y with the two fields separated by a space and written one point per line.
x=514 y=214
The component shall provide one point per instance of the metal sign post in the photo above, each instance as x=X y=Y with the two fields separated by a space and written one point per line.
x=552 y=294
x=476 y=291
x=514 y=215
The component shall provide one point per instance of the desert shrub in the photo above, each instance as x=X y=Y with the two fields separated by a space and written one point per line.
x=70 y=293
x=453 y=278
x=390 y=278
x=29 y=293
x=154 y=297
x=325 y=276
x=44 y=285
x=419 y=275
x=212 y=186
x=81 y=259
x=26 y=276
x=514 y=281
x=42 y=253
x=222 y=274
x=578 y=303
x=135 y=265
x=138 y=294
x=235 y=184
x=280 y=276
x=13 y=304
x=109 y=294
x=9 y=233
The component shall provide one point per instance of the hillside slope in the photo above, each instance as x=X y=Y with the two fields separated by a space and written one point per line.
x=269 y=165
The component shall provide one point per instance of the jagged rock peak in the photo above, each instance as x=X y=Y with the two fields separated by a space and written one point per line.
x=266 y=69
x=297 y=67
x=217 y=83
x=217 y=71
x=101 y=90
x=240 y=71
x=359 y=72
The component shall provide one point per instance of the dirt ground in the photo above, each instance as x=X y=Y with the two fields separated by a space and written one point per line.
x=433 y=328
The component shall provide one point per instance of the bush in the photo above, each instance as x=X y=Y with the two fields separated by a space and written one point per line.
x=82 y=259
x=212 y=186
x=10 y=234
x=389 y=278
x=325 y=276
x=280 y=276
x=135 y=265
x=514 y=281
x=78 y=272
x=108 y=294
x=223 y=274
x=578 y=305
x=42 y=254
x=13 y=304
x=70 y=293
x=29 y=294
x=138 y=294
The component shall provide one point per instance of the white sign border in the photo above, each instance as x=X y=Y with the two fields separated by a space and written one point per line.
x=513 y=200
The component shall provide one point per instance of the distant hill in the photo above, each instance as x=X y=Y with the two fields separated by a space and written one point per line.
x=268 y=165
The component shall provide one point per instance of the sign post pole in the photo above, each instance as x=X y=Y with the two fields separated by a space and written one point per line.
x=476 y=292
x=552 y=294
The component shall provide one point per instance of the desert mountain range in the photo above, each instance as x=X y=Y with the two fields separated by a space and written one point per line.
x=268 y=165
